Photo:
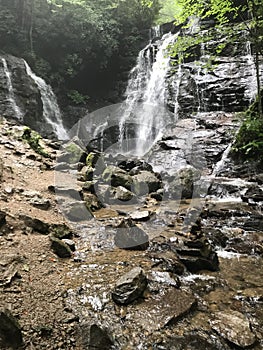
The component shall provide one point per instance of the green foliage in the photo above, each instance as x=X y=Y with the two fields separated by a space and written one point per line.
x=67 y=41
x=77 y=98
x=249 y=140
x=33 y=139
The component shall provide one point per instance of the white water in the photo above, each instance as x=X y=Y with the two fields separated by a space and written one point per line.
x=145 y=97
x=51 y=111
x=11 y=94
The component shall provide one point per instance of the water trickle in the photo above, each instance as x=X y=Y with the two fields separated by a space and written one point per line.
x=145 y=98
x=11 y=94
x=51 y=111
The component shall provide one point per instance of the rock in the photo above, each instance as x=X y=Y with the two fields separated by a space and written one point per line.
x=68 y=191
x=197 y=263
x=117 y=177
x=10 y=330
x=2 y=218
x=95 y=337
x=254 y=193
x=36 y=224
x=86 y=173
x=183 y=184
x=92 y=202
x=40 y=203
x=168 y=261
x=164 y=308
x=254 y=223
x=60 y=231
x=132 y=238
x=70 y=243
x=60 y=248
x=146 y=182
x=234 y=326
x=140 y=215
x=123 y=194
x=92 y=159
x=130 y=286
x=99 y=338
x=76 y=211
x=195 y=340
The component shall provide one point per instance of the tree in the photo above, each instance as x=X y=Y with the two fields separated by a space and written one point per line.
x=248 y=12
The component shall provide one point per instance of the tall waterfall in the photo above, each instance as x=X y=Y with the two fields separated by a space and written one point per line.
x=51 y=111
x=11 y=95
x=145 y=98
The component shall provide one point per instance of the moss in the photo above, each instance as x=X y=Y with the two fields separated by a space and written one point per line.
x=248 y=145
x=33 y=138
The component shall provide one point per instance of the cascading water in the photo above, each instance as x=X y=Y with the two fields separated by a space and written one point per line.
x=51 y=111
x=11 y=95
x=145 y=98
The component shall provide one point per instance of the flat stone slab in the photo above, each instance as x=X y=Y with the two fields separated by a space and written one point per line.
x=233 y=326
x=164 y=308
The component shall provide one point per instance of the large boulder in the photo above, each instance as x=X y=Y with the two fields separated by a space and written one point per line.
x=117 y=177
x=146 y=182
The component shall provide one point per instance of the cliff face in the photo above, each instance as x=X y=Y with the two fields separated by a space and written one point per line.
x=218 y=74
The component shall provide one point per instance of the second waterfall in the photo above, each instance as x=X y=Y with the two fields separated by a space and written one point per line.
x=144 y=106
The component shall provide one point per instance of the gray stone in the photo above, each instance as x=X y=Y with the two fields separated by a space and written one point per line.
x=234 y=326
x=60 y=248
x=70 y=243
x=164 y=308
x=130 y=286
x=146 y=182
x=117 y=177
x=99 y=338
x=10 y=330
x=140 y=215
x=123 y=194
x=131 y=238
x=36 y=224
x=40 y=203
x=76 y=211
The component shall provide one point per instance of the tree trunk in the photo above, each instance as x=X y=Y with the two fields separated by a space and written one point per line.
x=260 y=112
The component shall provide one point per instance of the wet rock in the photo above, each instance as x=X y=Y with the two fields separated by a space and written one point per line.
x=196 y=340
x=168 y=261
x=165 y=308
x=95 y=337
x=76 y=211
x=140 y=215
x=2 y=218
x=36 y=224
x=197 y=263
x=254 y=223
x=146 y=182
x=183 y=184
x=254 y=193
x=10 y=330
x=117 y=177
x=233 y=326
x=132 y=238
x=123 y=194
x=60 y=248
x=130 y=286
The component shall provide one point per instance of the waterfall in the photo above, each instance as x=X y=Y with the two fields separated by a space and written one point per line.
x=11 y=94
x=51 y=111
x=146 y=97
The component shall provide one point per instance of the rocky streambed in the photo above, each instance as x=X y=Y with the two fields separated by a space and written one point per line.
x=163 y=252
